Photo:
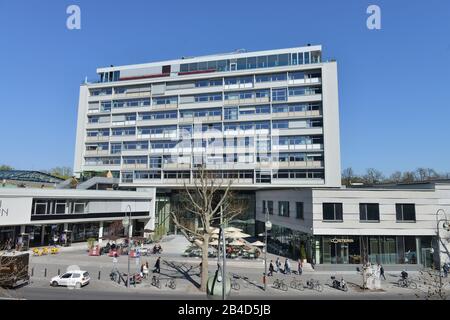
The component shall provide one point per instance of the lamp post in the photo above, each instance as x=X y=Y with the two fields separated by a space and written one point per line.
x=438 y=221
x=224 y=253
x=127 y=223
x=268 y=226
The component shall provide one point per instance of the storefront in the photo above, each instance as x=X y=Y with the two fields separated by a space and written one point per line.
x=375 y=249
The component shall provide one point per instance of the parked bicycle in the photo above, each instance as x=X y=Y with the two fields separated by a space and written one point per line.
x=314 y=285
x=171 y=284
x=297 y=284
x=156 y=282
x=279 y=284
x=340 y=285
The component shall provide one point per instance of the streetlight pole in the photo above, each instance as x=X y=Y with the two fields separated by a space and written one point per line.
x=224 y=253
x=129 y=243
x=438 y=221
x=268 y=226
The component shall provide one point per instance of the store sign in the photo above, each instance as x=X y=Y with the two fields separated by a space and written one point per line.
x=15 y=211
x=336 y=240
x=3 y=211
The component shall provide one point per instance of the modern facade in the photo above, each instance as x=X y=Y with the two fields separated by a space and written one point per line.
x=82 y=214
x=262 y=119
x=390 y=225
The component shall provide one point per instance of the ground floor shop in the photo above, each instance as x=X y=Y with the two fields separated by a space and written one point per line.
x=66 y=233
x=375 y=249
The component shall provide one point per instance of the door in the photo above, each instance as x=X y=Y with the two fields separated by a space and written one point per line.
x=76 y=277
x=65 y=279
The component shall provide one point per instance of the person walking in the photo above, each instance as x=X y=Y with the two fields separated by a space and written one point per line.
x=277 y=265
x=271 y=269
x=300 y=267
x=446 y=269
x=287 y=266
x=157 y=265
x=115 y=261
x=382 y=272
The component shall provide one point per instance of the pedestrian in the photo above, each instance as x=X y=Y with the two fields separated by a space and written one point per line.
x=382 y=272
x=157 y=265
x=277 y=265
x=270 y=274
x=115 y=261
x=287 y=266
x=300 y=267
x=145 y=270
x=446 y=268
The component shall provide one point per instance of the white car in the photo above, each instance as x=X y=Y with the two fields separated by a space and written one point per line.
x=75 y=278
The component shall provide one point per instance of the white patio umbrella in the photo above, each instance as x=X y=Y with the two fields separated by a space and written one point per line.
x=236 y=235
x=232 y=229
x=214 y=243
x=237 y=242
x=258 y=244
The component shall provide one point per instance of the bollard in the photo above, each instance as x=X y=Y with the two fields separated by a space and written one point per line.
x=32 y=271
x=99 y=274
x=59 y=272
x=45 y=273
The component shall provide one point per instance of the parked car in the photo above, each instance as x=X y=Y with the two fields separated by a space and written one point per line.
x=75 y=278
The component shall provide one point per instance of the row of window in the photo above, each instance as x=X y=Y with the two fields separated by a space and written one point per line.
x=369 y=212
x=270 y=61
x=215 y=82
x=230 y=113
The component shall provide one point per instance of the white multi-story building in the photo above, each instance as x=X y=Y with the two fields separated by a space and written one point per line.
x=394 y=224
x=267 y=118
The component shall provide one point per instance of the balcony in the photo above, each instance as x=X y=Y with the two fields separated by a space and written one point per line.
x=305 y=98
x=298 y=164
x=174 y=165
x=297 y=147
x=296 y=114
x=96 y=152
x=97 y=138
x=99 y=125
x=169 y=106
x=305 y=81
x=234 y=102
x=159 y=122
x=200 y=119
x=123 y=123
x=132 y=95
x=134 y=166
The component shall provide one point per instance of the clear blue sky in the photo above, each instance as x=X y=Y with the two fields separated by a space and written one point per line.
x=394 y=83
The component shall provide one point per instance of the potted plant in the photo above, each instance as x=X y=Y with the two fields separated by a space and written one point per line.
x=90 y=243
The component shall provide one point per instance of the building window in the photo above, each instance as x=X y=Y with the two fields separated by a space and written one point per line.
x=270 y=206
x=369 y=212
x=40 y=207
x=299 y=210
x=332 y=211
x=78 y=207
x=60 y=207
x=405 y=212
x=283 y=208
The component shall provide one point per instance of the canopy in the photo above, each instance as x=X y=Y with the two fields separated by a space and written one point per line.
x=258 y=244
x=232 y=229
x=214 y=243
x=237 y=235
x=237 y=243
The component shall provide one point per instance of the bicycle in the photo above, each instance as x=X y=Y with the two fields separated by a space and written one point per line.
x=235 y=285
x=156 y=282
x=297 y=284
x=407 y=283
x=279 y=284
x=314 y=285
x=171 y=284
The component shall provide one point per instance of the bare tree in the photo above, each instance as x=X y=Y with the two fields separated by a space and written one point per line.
x=373 y=176
x=348 y=175
x=395 y=177
x=408 y=176
x=207 y=200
